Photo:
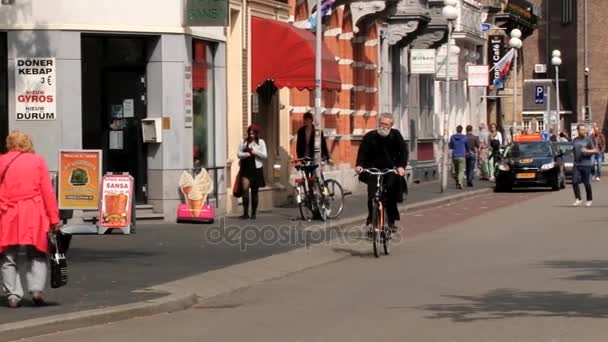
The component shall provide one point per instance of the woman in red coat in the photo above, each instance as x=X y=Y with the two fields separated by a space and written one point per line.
x=28 y=209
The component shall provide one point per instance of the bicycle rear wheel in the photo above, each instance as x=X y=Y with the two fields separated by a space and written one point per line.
x=386 y=237
x=319 y=206
x=334 y=198
x=376 y=228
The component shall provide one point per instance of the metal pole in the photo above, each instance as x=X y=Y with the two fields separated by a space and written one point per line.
x=318 y=54
x=514 y=98
x=557 y=98
x=445 y=158
x=587 y=112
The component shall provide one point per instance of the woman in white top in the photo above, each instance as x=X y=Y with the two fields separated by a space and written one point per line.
x=252 y=153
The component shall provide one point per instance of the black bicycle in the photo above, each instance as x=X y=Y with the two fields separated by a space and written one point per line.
x=380 y=232
x=315 y=195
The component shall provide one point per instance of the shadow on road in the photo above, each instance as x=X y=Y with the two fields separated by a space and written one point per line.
x=507 y=303
x=355 y=253
x=586 y=270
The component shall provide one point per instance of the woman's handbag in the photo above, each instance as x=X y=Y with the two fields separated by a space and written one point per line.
x=237 y=187
x=59 y=264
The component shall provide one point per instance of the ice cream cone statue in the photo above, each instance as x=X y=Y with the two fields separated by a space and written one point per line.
x=196 y=190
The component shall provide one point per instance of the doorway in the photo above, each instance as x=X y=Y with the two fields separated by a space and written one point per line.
x=114 y=103
x=266 y=116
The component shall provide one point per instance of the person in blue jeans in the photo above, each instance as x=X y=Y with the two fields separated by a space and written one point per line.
x=473 y=146
x=459 y=147
x=583 y=165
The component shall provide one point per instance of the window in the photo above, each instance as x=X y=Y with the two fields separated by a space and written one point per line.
x=202 y=103
x=3 y=89
x=527 y=126
x=567 y=11
x=541 y=125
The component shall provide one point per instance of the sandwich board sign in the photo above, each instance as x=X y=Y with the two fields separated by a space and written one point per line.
x=116 y=205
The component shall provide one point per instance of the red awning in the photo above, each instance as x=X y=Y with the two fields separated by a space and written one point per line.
x=286 y=55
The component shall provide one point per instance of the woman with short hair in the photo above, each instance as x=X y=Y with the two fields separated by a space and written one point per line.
x=28 y=210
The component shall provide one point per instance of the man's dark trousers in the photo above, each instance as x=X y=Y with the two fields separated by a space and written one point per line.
x=582 y=174
x=391 y=192
x=471 y=165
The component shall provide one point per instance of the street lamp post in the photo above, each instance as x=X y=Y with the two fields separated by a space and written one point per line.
x=318 y=91
x=587 y=111
x=450 y=13
x=557 y=61
x=516 y=43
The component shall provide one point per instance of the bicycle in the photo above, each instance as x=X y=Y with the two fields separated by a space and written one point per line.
x=380 y=229
x=316 y=196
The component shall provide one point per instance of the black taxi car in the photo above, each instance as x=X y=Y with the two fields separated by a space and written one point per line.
x=530 y=161
x=567 y=150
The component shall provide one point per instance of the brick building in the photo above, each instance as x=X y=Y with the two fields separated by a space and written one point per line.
x=562 y=27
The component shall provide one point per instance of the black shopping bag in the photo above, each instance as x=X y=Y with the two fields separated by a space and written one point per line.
x=59 y=265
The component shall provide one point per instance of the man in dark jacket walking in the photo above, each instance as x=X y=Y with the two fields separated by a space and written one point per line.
x=459 y=146
x=473 y=146
x=384 y=148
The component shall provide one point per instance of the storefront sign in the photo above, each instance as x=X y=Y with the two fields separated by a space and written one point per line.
x=422 y=61
x=496 y=53
x=79 y=176
x=454 y=65
x=35 y=90
x=188 y=118
x=207 y=13
x=116 y=201
x=478 y=75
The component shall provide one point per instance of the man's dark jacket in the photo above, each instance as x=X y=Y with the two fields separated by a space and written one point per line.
x=301 y=145
x=383 y=153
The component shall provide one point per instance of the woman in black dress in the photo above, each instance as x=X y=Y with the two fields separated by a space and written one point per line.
x=252 y=153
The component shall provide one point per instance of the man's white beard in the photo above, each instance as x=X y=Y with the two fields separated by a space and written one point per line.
x=384 y=132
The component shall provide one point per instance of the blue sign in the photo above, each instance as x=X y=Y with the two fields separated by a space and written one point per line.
x=485 y=27
x=540 y=94
x=545 y=135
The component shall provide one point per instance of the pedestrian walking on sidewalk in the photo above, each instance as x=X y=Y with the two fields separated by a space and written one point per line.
x=495 y=143
x=471 y=156
x=583 y=152
x=484 y=152
x=28 y=210
x=384 y=148
x=599 y=142
x=458 y=145
x=252 y=153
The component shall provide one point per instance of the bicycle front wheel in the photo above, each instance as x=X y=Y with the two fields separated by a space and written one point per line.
x=334 y=198
x=376 y=229
x=305 y=204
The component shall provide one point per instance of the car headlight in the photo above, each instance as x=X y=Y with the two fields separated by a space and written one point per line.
x=548 y=166
x=504 y=167
x=568 y=165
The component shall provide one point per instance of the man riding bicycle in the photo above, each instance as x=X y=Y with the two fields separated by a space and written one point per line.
x=384 y=148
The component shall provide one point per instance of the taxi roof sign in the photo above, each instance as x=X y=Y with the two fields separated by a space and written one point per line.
x=528 y=137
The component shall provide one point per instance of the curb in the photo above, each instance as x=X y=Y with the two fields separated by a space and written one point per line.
x=81 y=319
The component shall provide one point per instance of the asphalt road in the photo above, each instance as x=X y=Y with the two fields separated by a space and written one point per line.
x=519 y=267
x=106 y=270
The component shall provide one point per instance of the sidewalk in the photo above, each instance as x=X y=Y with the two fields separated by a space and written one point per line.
x=106 y=270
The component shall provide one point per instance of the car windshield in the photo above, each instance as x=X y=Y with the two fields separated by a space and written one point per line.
x=528 y=149
x=566 y=149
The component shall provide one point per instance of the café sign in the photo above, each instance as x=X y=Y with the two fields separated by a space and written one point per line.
x=206 y=13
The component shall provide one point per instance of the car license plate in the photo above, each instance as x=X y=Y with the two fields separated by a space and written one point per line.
x=526 y=175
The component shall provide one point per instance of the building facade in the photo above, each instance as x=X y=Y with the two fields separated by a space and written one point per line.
x=113 y=70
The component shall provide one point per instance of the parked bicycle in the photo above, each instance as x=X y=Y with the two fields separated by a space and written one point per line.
x=316 y=196
x=380 y=232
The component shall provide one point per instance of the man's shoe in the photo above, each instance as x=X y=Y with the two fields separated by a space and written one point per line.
x=577 y=203
x=244 y=217
x=253 y=217
x=588 y=204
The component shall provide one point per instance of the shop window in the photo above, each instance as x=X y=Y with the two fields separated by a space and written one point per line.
x=3 y=89
x=203 y=103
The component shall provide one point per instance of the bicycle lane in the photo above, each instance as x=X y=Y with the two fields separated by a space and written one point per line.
x=106 y=270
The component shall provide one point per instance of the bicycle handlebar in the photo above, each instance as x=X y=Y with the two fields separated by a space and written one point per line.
x=377 y=172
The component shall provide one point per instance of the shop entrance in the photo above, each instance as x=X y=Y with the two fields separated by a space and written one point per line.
x=114 y=103
x=266 y=115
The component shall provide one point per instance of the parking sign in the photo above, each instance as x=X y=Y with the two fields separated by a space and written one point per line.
x=540 y=94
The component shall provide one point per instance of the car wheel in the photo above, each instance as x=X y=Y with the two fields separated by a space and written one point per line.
x=501 y=187
x=563 y=183
x=556 y=183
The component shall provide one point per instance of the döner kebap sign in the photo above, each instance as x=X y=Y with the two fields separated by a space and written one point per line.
x=35 y=90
